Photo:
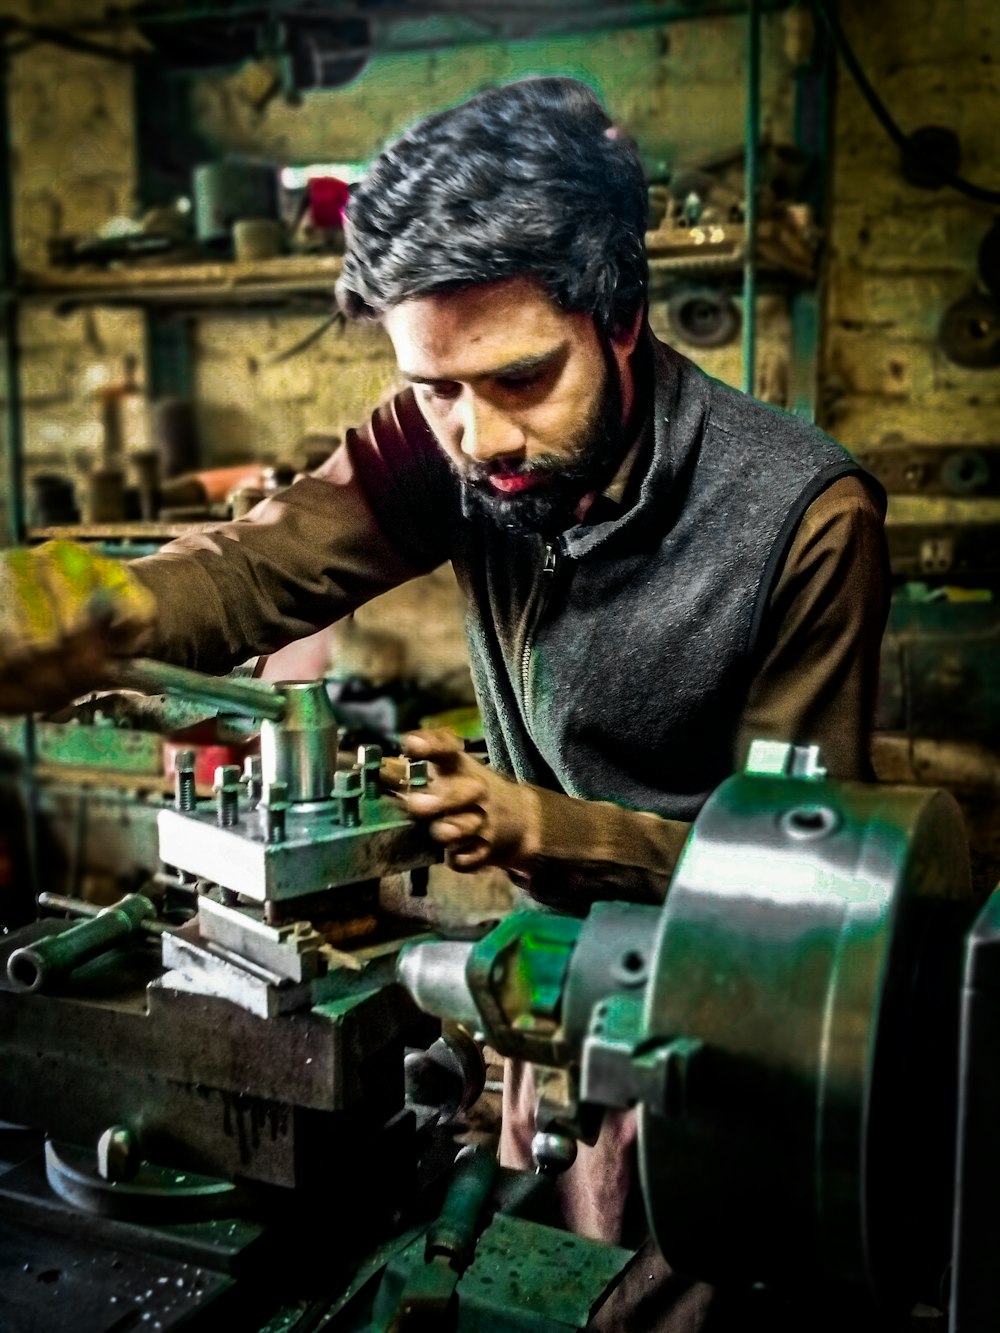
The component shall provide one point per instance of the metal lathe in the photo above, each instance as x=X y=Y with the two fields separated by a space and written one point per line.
x=229 y=1100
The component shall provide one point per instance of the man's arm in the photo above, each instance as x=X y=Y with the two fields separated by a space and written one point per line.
x=817 y=684
x=818 y=679
x=308 y=556
x=300 y=561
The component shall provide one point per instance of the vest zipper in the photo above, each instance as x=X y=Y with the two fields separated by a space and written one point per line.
x=548 y=572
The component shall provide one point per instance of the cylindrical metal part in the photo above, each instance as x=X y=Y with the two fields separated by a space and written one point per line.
x=416 y=773
x=302 y=750
x=370 y=763
x=185 y=792
x=434 y=974
x=227 y=795
x=34 y=966
x=347 y=791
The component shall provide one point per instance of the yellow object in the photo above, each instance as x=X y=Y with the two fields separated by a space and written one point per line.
x=65 y=612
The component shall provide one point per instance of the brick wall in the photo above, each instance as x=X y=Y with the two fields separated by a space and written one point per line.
x=900 y=255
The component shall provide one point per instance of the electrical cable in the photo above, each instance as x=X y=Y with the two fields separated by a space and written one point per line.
x=882 y=114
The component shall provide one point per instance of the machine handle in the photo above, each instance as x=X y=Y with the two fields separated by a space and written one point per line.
x=249 y=698
x=36 y=965
x=453 y=1232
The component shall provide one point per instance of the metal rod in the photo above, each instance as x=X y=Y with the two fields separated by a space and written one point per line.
x=752 y=139
x=249 y=698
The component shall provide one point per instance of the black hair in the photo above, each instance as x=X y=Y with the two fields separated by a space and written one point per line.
x=525 y=180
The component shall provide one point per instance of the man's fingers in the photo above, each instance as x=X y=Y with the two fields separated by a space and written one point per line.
x=444 y=796
x=454 y=828
x=437 y=744
x=470 y=855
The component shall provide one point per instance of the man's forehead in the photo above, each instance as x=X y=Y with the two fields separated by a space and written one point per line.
x=506 y=326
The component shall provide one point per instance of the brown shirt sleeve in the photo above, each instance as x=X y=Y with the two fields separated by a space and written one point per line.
x=817 y=684
x=306 y=557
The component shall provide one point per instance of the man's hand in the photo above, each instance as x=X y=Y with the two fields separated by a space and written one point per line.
x=479 y=817
x=65 y=614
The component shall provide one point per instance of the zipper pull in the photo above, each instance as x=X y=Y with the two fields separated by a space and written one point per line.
x=549 y=561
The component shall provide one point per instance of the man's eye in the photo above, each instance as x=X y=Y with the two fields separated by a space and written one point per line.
x=445 y=389
x=519 y=383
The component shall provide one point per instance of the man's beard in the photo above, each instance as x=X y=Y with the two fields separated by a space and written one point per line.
x=550 y=508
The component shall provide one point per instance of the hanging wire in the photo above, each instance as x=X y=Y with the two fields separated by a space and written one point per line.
x=885 y=119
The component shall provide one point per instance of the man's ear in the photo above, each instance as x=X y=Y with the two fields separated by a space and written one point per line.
x=626 y=335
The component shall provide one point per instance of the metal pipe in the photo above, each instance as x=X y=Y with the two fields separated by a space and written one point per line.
x=249 y=698
x=752 y=143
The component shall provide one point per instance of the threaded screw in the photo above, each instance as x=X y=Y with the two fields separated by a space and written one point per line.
x=275 y=806
x=370 y=763
x=185 y=792
x=227 y=795
x=347 y=791
x=253 y=779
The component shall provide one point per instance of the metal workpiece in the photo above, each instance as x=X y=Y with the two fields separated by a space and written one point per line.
x=46 y=961
x=253 y=780
x=804 y=949
x=277 y=855
x=434 y=973
x=300 y=747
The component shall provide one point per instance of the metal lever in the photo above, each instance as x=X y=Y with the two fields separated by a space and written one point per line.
x=36 y=965
x=249 y=698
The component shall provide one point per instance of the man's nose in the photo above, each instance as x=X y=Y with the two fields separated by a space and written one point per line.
x=488 y=433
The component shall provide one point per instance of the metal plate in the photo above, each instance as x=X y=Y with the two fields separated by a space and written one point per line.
x=317 y=853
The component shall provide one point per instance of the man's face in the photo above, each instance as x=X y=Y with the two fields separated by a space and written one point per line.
x=524 y=398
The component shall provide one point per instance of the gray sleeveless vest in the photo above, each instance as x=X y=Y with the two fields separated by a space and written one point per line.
x=621 y=673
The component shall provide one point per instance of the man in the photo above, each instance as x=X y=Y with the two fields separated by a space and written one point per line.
x=656 y=567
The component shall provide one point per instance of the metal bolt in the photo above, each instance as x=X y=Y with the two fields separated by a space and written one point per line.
x=185 y=793
x=370 y=763
x=227 y=794
x=347 y=791
x=275 y=806
x=416 y=773
x=253 y=778
x=117 y=1154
